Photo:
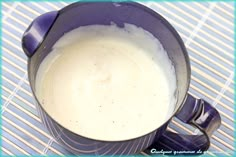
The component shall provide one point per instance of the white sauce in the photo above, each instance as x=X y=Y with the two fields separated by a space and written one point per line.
x=107 y=83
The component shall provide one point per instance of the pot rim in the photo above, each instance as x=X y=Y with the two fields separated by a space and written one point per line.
x=152 y=13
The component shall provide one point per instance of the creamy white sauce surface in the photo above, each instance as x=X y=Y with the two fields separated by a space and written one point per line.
x=107 y=83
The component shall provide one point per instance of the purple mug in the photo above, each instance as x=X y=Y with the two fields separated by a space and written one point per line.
x=46 y=29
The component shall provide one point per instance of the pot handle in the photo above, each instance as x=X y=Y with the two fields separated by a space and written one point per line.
x=197 y=113
x=36 y=32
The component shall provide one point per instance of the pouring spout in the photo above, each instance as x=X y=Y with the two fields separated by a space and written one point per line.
x=36 y=32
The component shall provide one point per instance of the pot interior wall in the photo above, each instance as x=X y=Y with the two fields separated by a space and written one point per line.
x=83 y=14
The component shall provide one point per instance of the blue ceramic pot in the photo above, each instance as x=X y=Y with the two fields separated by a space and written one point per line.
x=46 y=29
